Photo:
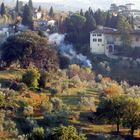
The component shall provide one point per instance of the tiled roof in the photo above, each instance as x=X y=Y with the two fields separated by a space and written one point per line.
x=105 y=30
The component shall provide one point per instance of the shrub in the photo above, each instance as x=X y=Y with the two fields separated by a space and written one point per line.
x=57 y=103
x=31 y=78
x=87 y=103
x=18 y=86
x=46 y=107
x=37 y=134
x=56 y=118
x=28 y=111
x=10 y=127
x=113 y=88
x=99 y=78
x=65 y=133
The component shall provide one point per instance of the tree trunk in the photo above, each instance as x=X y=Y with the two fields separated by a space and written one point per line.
x=132 y=131
x=118 y=128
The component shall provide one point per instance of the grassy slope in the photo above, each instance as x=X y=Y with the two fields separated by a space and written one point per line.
x=72 y=100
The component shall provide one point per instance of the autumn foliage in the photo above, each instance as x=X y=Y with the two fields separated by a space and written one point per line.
x=113 y=89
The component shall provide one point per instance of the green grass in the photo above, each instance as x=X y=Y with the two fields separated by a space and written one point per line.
x=7 y=76
x=11 y=74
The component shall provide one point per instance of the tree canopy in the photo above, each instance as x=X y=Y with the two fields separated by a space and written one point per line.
x=28 y=48
x=17 y=7
x=3 y=10
x=124 y=27
x=113 y=108
x=30 y=4
x=27 y=17
x=65 y=133
x=51 y=12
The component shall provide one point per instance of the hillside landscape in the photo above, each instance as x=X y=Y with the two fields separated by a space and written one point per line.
x=69 y=71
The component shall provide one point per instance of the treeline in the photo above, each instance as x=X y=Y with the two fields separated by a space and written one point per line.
x=79 y=25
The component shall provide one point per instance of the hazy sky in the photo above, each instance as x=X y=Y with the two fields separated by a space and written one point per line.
x=94 y=3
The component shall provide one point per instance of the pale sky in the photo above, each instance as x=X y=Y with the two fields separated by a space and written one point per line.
x=93 y=3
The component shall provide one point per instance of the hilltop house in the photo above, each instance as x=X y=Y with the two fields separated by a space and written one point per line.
x=104 y=40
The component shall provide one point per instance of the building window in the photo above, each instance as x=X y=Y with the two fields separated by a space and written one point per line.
x=99 y=40
x=93 y=34
x=99 y=34
x=94 y=40
x=137 y=39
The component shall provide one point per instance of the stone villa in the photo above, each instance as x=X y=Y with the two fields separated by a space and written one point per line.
x=104 y=40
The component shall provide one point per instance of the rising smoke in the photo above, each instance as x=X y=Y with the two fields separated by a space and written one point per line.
x=68 y=51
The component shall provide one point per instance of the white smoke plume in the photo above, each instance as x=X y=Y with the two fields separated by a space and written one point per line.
x=68 y=51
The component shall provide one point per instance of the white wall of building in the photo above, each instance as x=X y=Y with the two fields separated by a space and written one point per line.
x=104 y=43
x=135 y=41
x=97 y=43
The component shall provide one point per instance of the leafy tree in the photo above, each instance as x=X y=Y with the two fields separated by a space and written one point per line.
x=31 y=78
x=132 y=114
x=51 y=12
x=28 y=48
x=3 y=10
x=124 y=28
x=65 y=133
x=114 y=7
x=27 y=17
x=113 y=108
x=77 y=21
x=37 y=133
x=74 y=26
x=113 y=89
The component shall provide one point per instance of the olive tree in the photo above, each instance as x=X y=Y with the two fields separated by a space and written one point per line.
x=29 y=49
x=65 y=133
x=132 y=114
x=113 y=109
x=31 y=78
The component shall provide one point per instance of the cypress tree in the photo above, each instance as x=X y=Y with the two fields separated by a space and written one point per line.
x=30 y=4
x=17 y=7
x=114 y=21
x=90 y=22
x=27 y=17
x=81 y=12
x=99 y=17
x=108 y=20
x=51 y=13
x=3 y=10
x=39 y=9
x=90 y=25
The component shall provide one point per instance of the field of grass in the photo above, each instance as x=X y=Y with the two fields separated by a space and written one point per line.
x=7 y=76
x=72 y=100
x=11 y=74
